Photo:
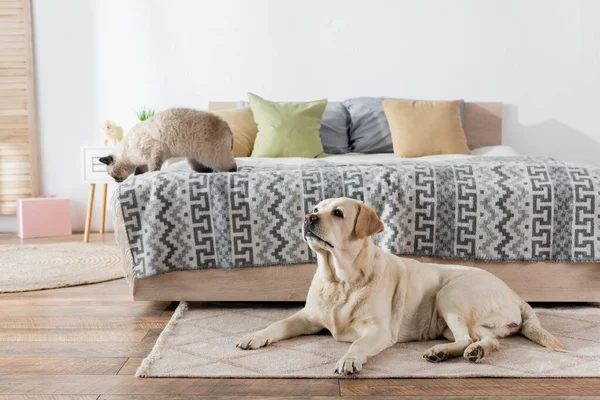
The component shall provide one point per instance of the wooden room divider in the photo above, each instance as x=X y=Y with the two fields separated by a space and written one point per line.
x=18 y=140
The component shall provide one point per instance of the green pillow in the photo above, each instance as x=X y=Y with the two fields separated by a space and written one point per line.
x=287 y=129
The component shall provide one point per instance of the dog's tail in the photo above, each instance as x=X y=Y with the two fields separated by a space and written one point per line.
x=532 y=330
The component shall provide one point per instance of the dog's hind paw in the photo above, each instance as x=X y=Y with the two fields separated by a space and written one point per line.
x=435 y=354
x=474 y=353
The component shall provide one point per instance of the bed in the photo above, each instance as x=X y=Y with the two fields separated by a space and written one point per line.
x=531 y=221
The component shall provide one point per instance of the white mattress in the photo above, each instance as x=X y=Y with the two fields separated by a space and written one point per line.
x=385 y=158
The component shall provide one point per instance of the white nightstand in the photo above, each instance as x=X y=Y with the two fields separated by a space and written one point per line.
x=93 y=172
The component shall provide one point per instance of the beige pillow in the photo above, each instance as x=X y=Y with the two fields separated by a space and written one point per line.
x=241 y=122
x=424 y=128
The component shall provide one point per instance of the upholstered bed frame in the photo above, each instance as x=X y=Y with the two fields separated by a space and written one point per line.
x=539 y=281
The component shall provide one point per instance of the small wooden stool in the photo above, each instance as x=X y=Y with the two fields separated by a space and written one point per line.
x=95 y=172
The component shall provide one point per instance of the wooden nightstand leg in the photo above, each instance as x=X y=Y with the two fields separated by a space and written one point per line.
x=88 y=221
x=103 y=212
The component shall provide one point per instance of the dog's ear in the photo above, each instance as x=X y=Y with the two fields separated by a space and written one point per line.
x=106 y=160
x=367 y=222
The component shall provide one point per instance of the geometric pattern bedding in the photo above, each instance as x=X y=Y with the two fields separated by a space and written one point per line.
x=479 y=208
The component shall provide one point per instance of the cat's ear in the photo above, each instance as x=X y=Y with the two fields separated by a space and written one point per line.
x=106 y=160
x=140 y=170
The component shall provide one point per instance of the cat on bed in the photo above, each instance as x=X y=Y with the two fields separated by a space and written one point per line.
x=204 y=138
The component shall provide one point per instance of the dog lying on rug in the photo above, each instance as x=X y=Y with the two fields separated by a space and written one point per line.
x=204 y=138
x=374 y=299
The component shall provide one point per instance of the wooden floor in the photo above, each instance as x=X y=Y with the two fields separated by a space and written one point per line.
x=86 y=342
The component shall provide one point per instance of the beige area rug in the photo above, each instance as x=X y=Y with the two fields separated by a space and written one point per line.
x=55 y=265
x=200 y=340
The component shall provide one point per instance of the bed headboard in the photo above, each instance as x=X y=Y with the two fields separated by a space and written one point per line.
x=483 y=121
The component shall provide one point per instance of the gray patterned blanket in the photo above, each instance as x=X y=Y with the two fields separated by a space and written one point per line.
x=496 y=209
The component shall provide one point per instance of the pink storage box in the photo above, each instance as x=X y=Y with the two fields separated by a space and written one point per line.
x=43 y=216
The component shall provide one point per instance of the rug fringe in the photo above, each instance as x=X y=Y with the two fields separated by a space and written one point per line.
x=155 y=354
x=122 y=240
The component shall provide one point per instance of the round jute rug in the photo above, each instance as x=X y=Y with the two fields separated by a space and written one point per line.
x=55 y=265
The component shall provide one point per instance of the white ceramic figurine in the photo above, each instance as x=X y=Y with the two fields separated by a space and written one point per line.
x=112 y=132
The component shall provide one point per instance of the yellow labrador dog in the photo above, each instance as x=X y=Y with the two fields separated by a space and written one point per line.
x=374 y=299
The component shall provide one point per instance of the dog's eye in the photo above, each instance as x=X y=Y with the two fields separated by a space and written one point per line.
x=338 y=213
x=316 y=210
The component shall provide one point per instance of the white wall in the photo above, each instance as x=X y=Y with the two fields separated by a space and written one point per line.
x=102 y=59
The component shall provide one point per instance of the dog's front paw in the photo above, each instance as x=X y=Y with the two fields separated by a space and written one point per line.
x=253 y=341
x=348 y=365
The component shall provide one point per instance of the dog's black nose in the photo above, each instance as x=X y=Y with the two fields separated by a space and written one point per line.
x=308 y=218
